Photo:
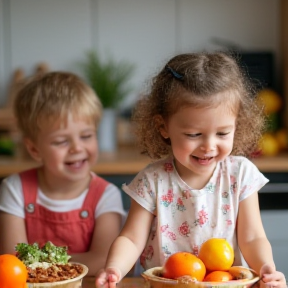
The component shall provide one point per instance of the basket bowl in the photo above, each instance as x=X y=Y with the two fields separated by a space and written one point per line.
x=70 y=283
x=154 y=279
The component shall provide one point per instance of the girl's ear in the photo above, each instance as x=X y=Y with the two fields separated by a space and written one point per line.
x=32 y=149
x=161 y=126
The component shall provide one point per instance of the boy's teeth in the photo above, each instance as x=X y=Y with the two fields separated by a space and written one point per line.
x=76 y=164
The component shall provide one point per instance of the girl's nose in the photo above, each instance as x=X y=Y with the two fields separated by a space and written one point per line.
x=208 y=145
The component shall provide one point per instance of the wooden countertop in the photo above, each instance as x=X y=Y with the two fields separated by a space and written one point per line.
x=277 y=163
x=129 y=161
x=127 y=282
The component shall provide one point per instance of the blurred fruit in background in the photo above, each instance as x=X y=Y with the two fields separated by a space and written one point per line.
x=275 y=140
x=281 y=136
x=272 y=143
x=269 y=145
x=271 y=100
x=273 y=122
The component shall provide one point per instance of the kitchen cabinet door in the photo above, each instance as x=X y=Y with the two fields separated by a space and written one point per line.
x=274 y=222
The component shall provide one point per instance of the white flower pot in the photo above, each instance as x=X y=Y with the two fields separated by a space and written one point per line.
x=107 y=134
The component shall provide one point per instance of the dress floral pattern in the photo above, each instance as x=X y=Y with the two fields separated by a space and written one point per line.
x=187 y=217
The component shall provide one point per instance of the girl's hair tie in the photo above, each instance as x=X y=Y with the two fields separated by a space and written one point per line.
x=174 y=73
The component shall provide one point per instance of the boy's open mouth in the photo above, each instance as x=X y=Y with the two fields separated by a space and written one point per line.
x=76 y=164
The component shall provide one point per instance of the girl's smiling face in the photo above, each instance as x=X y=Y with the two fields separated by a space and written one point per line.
x=200 y=137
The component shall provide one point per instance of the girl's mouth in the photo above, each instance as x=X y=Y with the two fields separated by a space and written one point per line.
x=204 y=160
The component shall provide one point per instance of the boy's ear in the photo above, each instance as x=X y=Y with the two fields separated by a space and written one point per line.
x=161 y=125
x=32 y=149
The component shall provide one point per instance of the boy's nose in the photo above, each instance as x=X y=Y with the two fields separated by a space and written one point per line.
x=75 y=146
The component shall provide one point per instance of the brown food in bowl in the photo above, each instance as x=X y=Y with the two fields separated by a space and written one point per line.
x=54 y=273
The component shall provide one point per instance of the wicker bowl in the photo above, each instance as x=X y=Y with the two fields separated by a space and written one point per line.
x=71 y=283
x=153 y=278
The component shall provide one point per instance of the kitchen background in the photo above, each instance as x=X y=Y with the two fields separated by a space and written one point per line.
x=147 y=33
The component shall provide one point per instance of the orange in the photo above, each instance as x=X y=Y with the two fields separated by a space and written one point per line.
x=271 y=99
x=218 y=276
x=217 y=254
x=282 y=138
x=269 y=145
x=184 y=264
x=13 y=272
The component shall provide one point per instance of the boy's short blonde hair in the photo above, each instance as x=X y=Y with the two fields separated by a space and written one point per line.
x=52 y=97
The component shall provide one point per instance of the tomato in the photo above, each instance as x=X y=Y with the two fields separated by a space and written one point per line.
x=184 y=264
x=13 y=272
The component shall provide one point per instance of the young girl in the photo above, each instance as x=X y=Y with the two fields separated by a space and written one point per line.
x=62 y=200
x=200 y=119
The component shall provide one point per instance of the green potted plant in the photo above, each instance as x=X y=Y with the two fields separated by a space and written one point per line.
x=110 y=80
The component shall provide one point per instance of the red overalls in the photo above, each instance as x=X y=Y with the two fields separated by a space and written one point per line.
x=73 y=229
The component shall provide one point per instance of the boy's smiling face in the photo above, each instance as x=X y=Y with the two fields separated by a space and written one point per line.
x=199 y=139
x=67 y=149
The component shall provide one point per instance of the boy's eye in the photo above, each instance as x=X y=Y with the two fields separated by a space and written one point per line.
x=59 y=142
x=86 y=136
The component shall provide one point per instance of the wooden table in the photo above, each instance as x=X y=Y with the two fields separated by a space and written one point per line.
x=133 y=282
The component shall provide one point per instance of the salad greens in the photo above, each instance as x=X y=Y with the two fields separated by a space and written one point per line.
x=31 y=253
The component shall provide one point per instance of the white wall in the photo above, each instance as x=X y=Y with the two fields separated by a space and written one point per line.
x=146 y=32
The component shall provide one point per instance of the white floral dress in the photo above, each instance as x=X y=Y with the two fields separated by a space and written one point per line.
x=186 y=217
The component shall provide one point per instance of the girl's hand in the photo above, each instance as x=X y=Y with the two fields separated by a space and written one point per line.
x=270 y=278
x=108 y=278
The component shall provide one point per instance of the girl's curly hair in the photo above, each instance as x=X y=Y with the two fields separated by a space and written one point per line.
x=201 y=80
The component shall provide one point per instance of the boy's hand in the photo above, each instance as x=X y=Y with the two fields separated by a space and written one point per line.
x=108 y=278
x=270 y=278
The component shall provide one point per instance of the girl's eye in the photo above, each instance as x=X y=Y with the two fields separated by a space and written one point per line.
x=222 y=133
x=193 y=135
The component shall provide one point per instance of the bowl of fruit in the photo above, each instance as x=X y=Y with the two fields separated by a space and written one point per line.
x=211 y=268
x=40 y=267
